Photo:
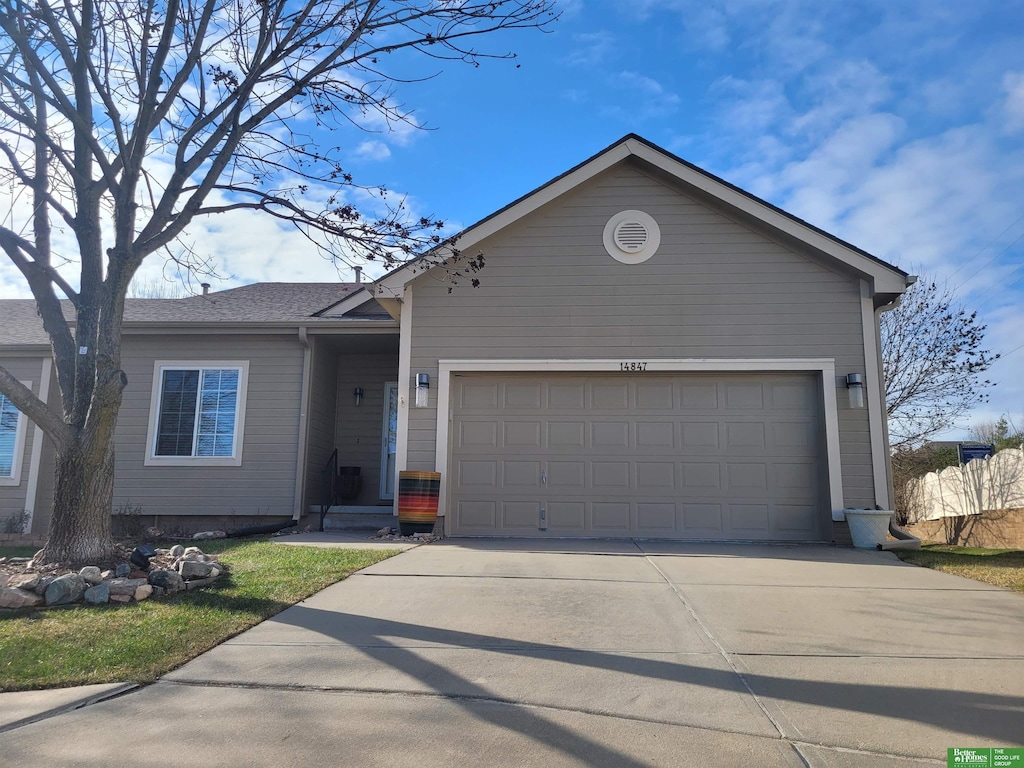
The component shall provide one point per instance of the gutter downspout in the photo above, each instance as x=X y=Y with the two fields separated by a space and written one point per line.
x=904 y=540
x=300 y=457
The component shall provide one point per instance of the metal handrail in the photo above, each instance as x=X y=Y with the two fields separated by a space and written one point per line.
x=328 y=485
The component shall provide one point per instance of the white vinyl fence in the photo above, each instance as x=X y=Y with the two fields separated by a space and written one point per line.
x=981 y=485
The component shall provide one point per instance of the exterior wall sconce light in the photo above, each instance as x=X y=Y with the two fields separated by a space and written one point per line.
x=422 y=389
x=855 y=389
x=357 y=395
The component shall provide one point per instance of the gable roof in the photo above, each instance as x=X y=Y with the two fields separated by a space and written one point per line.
x=886 y=279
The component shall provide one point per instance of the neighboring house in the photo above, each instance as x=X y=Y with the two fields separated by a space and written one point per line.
x=651 y=352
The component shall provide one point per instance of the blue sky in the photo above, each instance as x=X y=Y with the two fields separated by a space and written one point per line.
x=895 y=125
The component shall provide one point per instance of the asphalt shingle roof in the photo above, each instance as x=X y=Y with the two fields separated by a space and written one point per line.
x=257 y=303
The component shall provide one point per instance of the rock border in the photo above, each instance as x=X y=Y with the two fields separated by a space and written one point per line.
x=176 y=569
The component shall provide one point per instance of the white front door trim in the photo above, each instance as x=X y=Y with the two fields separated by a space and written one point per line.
x=826 y=367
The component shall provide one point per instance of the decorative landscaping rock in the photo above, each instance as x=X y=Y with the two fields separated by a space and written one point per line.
x=124 y=586
x=65 y=589
x=18 y=598
x=91 y=574
x=209 y=535
x=194 y=569
x=168 y=580
x=98 y=595
x=24 y=581
x=28 y=585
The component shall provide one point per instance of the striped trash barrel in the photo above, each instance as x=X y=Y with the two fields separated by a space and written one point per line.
x=417 y=501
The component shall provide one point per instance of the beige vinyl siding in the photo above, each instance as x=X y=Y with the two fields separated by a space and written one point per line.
x=265 y=482
x=12 y=497
x=322 y=415
x=359 y=429
x=716 y=289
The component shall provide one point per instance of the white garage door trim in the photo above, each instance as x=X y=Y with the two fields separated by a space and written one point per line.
x=825 y=366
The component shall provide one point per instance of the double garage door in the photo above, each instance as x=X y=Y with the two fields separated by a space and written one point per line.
x=694 y=456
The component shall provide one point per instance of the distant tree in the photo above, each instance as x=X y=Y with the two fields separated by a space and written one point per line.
x=933 y=361
x=911 y=463
x=155 y=288
x=1002 y=434
x=121 y=121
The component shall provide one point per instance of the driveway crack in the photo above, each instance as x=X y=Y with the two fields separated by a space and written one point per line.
x=721 y=650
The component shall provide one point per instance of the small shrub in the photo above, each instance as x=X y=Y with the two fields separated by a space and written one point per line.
x=16 y=523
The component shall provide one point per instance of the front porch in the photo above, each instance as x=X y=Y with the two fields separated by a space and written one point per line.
x=352 y=431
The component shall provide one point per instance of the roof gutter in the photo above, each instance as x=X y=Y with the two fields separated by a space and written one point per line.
x=300 y=454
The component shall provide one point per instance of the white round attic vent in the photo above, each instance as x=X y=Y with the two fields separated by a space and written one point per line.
x=631 y=237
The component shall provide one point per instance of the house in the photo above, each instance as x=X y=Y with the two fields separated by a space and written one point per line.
x=651 y=352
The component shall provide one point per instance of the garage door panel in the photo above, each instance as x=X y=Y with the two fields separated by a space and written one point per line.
x=744 y=477
x=655 y=476
x=746 y=395
x=704 y=475
x=702 y=517
x=567 y=516
x=479 y=395
x=654 y=395
x=524 y=433
x=714 y=456
x=742 y=436
x=795 y=518
x=567 y=396
x=474 y=474
x=609 y=434
x=479 y=515
x=566 y=434
x=524 y=515
x=519 y=474
x=750 y=518
x=611 y=475
x=523 y=395
x=611 y=516
x=788 y=435
x=656 y=435
x=478 y=434
x=569 y=475
x=610 y=395
x=655 y=517
x=701 y=436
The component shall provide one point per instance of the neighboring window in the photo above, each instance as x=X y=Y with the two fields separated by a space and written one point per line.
x=199 y=411
x=12 y=442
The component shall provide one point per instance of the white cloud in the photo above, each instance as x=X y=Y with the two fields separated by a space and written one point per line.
x=372 y=150
x=589 y=49
x=1013 y=85
x=641 y=97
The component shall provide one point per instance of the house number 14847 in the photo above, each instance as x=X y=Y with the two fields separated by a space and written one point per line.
x=632 y=367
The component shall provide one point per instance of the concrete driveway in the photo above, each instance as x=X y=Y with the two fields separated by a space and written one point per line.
x=586 y=653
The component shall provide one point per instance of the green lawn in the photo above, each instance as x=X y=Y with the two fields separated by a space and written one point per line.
x=1001 y=567
x=141 y=641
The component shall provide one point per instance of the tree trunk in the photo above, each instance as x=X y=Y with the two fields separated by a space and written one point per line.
x=80 y=529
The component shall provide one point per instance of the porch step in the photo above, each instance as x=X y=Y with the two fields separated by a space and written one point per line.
x=350 y=518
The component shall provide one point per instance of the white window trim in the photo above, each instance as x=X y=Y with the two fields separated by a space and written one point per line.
x=826 y=367
x=20 y=431
x=235 y=460
x=389 y=386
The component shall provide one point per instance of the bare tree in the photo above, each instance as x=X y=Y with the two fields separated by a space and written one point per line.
x=124 y=120
x=933 y=361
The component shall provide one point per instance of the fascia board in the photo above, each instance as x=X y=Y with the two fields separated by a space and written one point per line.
x=885 y=280
x=350 y=302
x=393 y=285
